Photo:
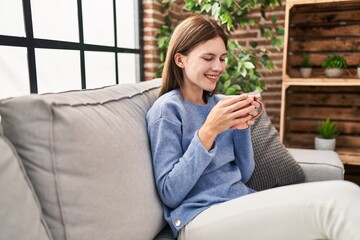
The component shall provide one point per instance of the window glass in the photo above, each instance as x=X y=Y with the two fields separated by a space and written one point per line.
x=100 y=69
x=56 y=20
x=57 y=70
x=11 y=18
x=14 y=79
x=127 y=34
x=98 y=20
x=110 y=29
x=127 y=65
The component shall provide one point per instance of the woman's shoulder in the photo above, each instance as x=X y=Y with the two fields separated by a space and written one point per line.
x=167 y=100
x=173 y=95
x=165 y=106
x=217 y=97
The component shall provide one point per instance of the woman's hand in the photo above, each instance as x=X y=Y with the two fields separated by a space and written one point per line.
x=259 y=108
x=229 y=112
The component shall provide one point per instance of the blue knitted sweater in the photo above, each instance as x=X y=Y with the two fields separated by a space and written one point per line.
x=189 y=178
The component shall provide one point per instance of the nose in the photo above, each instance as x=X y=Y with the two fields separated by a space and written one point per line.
x=218 y=65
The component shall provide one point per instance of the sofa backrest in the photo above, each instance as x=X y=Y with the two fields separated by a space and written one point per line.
x=20 y=212
x=88 y=158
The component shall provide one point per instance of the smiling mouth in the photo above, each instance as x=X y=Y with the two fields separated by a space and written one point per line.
x=212 y=77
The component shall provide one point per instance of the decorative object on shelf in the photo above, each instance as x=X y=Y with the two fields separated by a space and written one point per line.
x=327 y=131
x=334 y=66
x=306 y=68
x=358 y=70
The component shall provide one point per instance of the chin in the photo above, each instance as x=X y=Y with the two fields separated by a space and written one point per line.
x=210 y=89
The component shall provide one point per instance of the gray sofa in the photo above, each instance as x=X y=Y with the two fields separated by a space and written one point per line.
x=77 y=165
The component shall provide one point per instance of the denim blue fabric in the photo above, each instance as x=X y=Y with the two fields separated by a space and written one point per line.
x=189 y=178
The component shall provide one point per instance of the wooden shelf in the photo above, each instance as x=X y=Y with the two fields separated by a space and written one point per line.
x=349 y=157
x=321 y=28
x=322 y=81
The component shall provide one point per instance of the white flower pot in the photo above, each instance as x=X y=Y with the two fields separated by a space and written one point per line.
x=325 y=144
x=334 y=72
x=305 y=72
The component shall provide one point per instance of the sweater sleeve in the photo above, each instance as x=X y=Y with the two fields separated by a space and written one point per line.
x=244 y=155
x=176 y=170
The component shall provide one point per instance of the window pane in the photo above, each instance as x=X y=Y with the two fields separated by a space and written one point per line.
x=11 y=18
x=14 y=78
x=127 y=34
x=100 y=69
x=127 y=65
x=98 y=20
x=57 y=20
x=57 y=70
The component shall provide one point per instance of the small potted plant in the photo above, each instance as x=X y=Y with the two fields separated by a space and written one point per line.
x=334 y=66
x=327 y=131
x=306 y=69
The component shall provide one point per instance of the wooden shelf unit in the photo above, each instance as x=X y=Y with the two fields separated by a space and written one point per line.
x=321 y=28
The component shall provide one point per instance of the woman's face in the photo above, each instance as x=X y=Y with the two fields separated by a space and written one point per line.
x=202 y=66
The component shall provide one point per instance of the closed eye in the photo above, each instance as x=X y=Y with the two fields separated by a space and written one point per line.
x=222 y=59
x=208 y=58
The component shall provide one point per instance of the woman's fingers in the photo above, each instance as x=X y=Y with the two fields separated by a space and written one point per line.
x=242 y=123
x=233 y=99
x=256 y=104
x=234 y=112
x=243 y=112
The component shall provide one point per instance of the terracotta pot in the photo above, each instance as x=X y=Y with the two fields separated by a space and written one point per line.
x=325 y=144
x=305 y=72
x=334 y=72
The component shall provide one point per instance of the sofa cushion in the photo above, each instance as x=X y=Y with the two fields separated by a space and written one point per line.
x=319 y=165
x=20 y=212
x=87 y=154
x=274 y=165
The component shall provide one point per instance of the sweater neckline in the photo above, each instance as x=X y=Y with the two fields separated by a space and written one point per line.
x=191 y=104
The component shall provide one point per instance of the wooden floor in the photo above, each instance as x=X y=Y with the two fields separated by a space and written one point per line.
x=352 y=173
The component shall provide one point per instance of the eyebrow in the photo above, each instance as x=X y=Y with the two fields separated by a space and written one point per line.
x=212 y=54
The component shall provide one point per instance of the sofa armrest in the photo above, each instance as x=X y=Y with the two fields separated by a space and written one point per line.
x=319 y=165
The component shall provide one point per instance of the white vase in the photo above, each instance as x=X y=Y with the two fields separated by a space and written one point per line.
x=358 y=71
x=334 y=72
x=305 y=72
x=325 y=144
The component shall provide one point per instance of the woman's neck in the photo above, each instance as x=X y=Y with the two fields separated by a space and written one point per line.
x=196 y=98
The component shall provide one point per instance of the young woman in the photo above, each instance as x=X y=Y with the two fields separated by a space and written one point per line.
x=203 y=157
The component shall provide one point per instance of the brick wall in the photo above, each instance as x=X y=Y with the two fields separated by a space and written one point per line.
x=154 y=13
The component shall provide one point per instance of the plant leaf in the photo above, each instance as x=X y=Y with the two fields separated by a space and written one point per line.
x=243 y=71
x=206 y=8
x=229 y=3
x=274 y=19
x=249 y=65
x=215 y=10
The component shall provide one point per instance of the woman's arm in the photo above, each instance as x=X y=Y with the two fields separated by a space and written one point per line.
x=244 y=154
x=176 y=172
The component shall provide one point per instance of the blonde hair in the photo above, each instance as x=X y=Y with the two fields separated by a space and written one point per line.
x=188 y=34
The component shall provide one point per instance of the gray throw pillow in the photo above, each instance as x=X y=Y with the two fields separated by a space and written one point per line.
x=274 y=166
x=165 y=234
x=20 y=213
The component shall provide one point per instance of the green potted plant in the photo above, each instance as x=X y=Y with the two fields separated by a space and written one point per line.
x=306 y=68
x=326 y=140
x=244 y=63
x=334 y=66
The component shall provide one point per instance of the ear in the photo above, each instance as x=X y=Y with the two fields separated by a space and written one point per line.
x=178 y=58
